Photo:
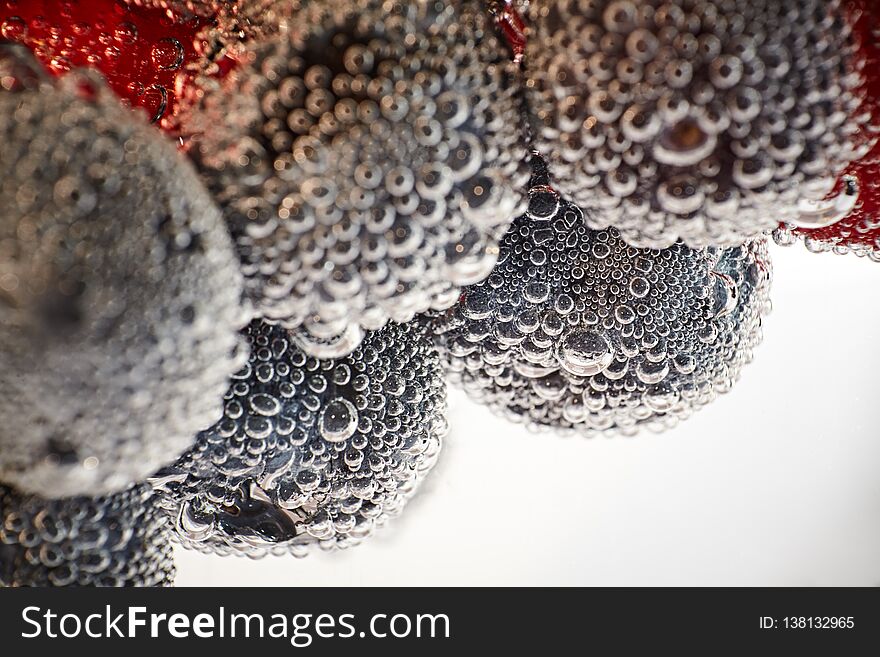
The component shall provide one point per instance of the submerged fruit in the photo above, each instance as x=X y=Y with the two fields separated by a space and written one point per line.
x=120 y=295
x=367 y=163
x=310 y=451
x=708 y=122
x=577 y=331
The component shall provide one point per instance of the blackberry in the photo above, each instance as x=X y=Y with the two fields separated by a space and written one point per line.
x=578 y=331
x=367 y=163
x=699 y=120
x=120 y=295
x=310 y=451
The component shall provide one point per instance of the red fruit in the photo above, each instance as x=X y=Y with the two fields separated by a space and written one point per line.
x=511 y=25
x=148 y=57
x=860 y=230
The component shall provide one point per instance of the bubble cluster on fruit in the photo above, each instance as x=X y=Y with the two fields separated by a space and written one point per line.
x=367 y=163
x=693 y=120
x=120 y=539
x=576 y=330
x=310 y=451
x=120 y=295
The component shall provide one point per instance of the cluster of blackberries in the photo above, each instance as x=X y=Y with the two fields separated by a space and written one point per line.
x=353 y=217
x=123 y=321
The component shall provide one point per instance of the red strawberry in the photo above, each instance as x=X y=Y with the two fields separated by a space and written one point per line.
x=859 y=231
x=148 y=56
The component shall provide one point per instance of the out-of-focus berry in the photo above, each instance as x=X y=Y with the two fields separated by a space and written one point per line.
x=310 y=451
x=578 y=331
x=367 y=163
x=699 y=120
x=117 y=540
x=120 y=295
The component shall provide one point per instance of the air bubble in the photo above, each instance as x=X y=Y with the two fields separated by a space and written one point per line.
x=125 y=33
x=339 y=420
x=651 y=373
x=13 y=28
x=681 y=195
x=639 y=287
x=167 y=54
x=725 y=295
x=827 y=212
x=550 y=388
x=584 y=353
x=684 y=144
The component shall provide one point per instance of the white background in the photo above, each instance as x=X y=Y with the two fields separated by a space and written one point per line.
x=776 y=483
